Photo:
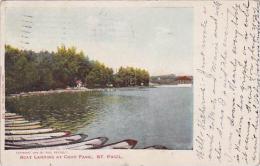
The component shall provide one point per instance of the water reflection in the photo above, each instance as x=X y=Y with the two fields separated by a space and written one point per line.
x=150 y=115
x=60 y=111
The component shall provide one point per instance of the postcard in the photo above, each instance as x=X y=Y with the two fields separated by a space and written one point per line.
x=130 y=83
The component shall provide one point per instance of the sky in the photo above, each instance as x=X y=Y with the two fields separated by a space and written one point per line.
x=159 y=40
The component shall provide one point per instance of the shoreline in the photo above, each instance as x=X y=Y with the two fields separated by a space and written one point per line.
x=69 y=90
x=75 y=90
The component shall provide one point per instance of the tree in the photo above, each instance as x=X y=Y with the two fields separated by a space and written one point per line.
x=130 y=76
x=26 y=70
x=21 y=72
x=100 y=75
x=70 y=66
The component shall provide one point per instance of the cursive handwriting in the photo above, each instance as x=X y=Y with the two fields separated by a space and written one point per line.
x=228 y=83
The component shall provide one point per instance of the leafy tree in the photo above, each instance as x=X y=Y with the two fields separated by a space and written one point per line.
x=26 y=70
x=99 y=76
x=130 y=76
x=20 y=71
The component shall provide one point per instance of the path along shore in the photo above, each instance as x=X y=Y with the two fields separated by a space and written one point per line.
x=71 y=90
x=68 y=90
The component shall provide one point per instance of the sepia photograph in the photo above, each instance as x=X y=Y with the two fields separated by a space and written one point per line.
x=84 y=78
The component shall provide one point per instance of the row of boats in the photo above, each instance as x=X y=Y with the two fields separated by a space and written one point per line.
x=23 y=134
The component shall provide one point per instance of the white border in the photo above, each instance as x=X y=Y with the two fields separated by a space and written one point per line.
x=130 y=157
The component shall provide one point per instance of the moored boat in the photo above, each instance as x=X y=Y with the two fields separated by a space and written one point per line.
x=48 y=142
x=156 y=147
x=125 y=144
x=23 y=124
x=13 y=117
x=10 y=114
x=12 y=147
x=36 y=136
x=86 y=144
x=33 y=131
x=10 y=122
x=23 y=127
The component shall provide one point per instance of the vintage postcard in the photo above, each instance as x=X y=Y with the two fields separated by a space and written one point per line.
x=130 y=83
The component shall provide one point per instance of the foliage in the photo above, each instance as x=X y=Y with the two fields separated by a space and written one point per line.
x=33 y=71
x=130 y=76
x=99 y=76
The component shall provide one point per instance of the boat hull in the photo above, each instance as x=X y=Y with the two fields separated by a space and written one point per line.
x=23 y=127
x=29 y=137
x=10 y=114
x=11 y=122
x=86 y=144
x=125 y=144
x=13 y=117
x=156 y=147
x=23 y=124
x=33 y=131
x=48 y=142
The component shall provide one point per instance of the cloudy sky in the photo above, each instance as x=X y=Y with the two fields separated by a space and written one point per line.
x=157 y=39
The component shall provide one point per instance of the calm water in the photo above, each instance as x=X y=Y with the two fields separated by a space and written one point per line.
x=152 y=116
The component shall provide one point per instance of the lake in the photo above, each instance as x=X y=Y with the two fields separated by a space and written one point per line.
x=153 y=116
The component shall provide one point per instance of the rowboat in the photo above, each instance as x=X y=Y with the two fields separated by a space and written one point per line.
x=48 y=142
x=12 y=147
x=23 y=124
x=9 y=122
x=86 y=144
x=156 y=147
x=16 y=119
x=23 y=127
x=33 y=131
x=10 y=114
x=125 y=144
x=13 y=117
x=35 y=136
